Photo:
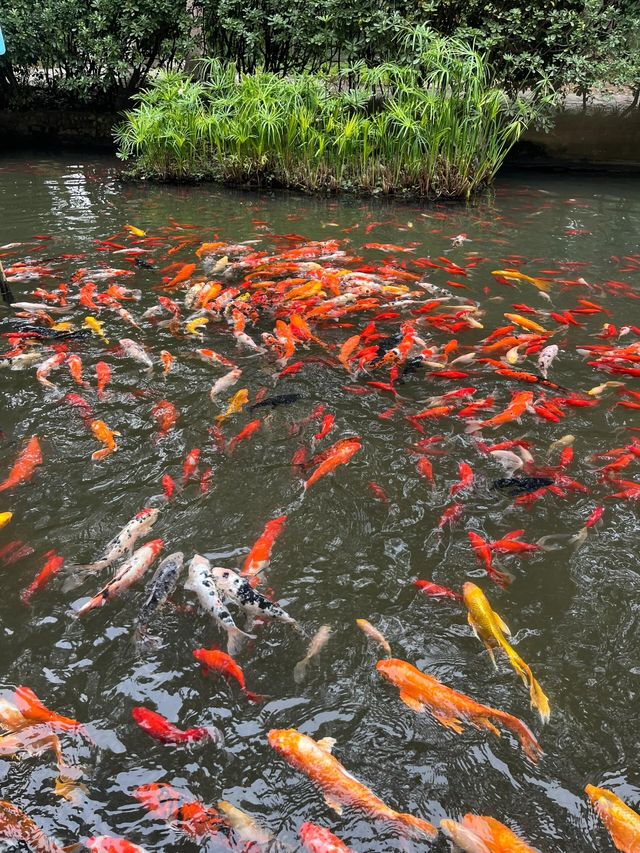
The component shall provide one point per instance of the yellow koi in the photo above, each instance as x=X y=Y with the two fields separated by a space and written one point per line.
x=306 y=291
x=5 y=518
x=236 y=404
x=96 y=327
x=490 y=629
x=515 y=275
x=135 y=232
x=525 y=323
x=62 y=326
x=194 y=327
x=600 y=389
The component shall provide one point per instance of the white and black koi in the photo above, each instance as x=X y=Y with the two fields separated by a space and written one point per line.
x=239 y=591
x=201 y=581
x=125 y=541
x=161 y=586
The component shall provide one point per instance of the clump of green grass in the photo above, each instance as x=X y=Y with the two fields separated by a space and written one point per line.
x=436 y=129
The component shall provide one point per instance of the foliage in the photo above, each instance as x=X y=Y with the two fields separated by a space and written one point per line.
x=81 y=51
x=442 y=129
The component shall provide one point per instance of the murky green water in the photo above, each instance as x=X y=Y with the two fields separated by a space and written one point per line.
x=343 y=555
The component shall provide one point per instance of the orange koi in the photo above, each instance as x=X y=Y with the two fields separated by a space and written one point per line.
x=339 y=454
x=622 y=823
x=478 y=834
x=183 y=274
x=314 y=759
x=259 y=556
x=103 y=377
x=213 y=660
x=165 y=414
x=51 y=567
x=23 y=469
x=251 y=428
x=422 y=692
x=103 y=434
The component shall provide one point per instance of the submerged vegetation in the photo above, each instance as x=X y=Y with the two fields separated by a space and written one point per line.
x=438 y=128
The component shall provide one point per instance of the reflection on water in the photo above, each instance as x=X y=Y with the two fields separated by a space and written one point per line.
x=343 y=554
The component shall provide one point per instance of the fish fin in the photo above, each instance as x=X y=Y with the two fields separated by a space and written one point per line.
x=334 y=804
x=412 y=703
x=423 y=827
x=539 y=700
x=299 y=671
x=492 y=656
x=255 y=697
x=74 y=848
x=326 y=744
x=473 y=625
x=449 y=723
x=503 y=625
x=485 y=723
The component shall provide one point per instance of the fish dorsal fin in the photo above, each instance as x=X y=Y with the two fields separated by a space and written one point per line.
x=333 y=804
x=411 y=702
x=327 y=744
x=503 y=624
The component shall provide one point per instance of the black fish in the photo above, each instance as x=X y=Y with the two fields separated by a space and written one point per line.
x=143 y=264
x=386 y=344
x=515 y=486
x=277 y=400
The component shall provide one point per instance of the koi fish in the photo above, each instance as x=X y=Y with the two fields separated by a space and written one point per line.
x=236 y=404
x=516 y=408
x=165 y=414
x=195 y=327
x=103 y=377
x=190 y=465
x=213 y=660
x=251 y=428
x=317 y=643
x=483 y=554
x=259 y=556
x=47 y=366
x=202 y=583
x=135 y=232
x=102 y=433
x=25 y=465
x=136 y=352
x=5 y=518
x=434 y=590
x=526 y=323
x=183 y=274
x=167 y=361
x=51 y=567
x=244 y=826
x=109 y=844
x=159 y=589
x=125 y=541
x=225 y=382
x=375 y=635
x=337 y=455
x=489 y=628
x=238 y=590
x=510 y=544
x=515 y=275
x=314 y=759
x=159 y=728
x=622 y=823
x=514 y=486
x=546 y=358
x=422 y=692
x=477 y=834
x=96 y=326
x=188 y=816
x=128 y=573
x=35 y=711
x=466 y=479
x=16 y=825
x=317 y=839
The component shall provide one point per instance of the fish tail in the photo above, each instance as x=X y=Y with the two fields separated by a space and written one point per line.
x=422 y=827
x=538 y=698
x=530 y=745
x=299 y=671
x=255 y=697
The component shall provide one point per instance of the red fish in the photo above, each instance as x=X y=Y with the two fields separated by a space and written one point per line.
x=109 y=844
x=190 y=465
x=51 y=567
x=317 y=839
x=33 y=709
x=328 y=423
x=14 y=551
x=466 y=479
x=188 y=816
x=216 y=661
x=183 y=274
x=259 y=556
x=434 y=590
x=509 y=544
x=378 y=492
x=165 y=414
x=337 y=455
x=103 y=377
x=251 y=428
x=452 y=513
x=28 y=460
x=425 y=468
x=168 y=486
x=483 y=554
x=161 y=729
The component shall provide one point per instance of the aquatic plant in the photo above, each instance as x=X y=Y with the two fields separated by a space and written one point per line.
x=437 y=128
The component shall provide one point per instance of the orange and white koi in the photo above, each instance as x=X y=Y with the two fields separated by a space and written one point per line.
x=128 y=573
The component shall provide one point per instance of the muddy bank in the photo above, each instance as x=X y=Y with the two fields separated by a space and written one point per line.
x=605 y=136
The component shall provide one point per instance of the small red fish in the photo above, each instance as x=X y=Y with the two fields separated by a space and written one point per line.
x=220 y=662
x=205 y=480
x=165 y=414
x=452 y=513
x=190 y=465
x=168 y=486
x=161 y=729
x=378 y=492
x=23 y=469
x=434 y=590
x=251 y=428
x=109 y=844
x=425 y=468
x=328 y=423
x=483 y=554
x=595 y=517
x=466 y=479
x=259 y=556
x=52 y=565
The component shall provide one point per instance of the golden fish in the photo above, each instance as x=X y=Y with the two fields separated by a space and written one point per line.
x=96 y=327
x=514 y=275
x=135 y=232
x=194 y=327
x=488 y=627
x=236 y=404
x=526 y=323
x=5 y=518
x=622 y=822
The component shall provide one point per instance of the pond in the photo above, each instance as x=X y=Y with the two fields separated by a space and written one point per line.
x=345 y=551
